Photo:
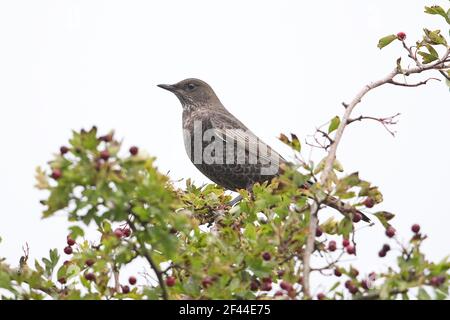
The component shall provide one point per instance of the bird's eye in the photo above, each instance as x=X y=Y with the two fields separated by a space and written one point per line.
x=190 y=86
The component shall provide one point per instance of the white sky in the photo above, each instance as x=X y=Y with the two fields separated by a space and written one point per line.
x=279 y=66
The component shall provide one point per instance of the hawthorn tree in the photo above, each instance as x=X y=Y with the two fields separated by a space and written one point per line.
x=196 y=246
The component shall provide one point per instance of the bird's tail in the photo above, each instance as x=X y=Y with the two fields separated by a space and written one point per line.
x=344 y=208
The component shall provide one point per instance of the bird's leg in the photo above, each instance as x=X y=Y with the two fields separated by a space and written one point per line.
x=235 y=201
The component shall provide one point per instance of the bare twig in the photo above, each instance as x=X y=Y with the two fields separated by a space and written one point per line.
x=116 y=278
x=159 y=274
x=313 y=222
x=388 y=121
x=444 y=74
x=421 y=83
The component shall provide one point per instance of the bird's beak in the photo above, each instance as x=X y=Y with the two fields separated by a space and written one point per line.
x=168 y=87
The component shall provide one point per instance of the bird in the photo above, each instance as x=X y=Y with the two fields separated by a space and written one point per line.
x=222 y=147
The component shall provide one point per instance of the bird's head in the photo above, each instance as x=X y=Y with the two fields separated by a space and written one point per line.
x=192 y=93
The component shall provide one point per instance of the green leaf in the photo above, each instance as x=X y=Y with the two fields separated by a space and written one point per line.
x=434 y=37
x=334 y=124
x=54 y=256
x=384 y=217
x=426 y=57
x=5 y=280
x=429 y=57
x=334 y=286
x=439 y=11
x=295 y=144
x=250 y=232
x=75 y=232
x=383 y=42
x=345 y=227
x=432 y=51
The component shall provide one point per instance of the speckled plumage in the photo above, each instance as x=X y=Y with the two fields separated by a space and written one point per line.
x=202 y=106
x=204 y=113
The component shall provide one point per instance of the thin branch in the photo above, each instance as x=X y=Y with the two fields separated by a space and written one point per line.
x=421 y=83
x=313 y=222
x=331 y=264
x=376 y=295
x=388 y=121
x=444 y=74
x=116 y=278
x=412 y=55
x=159 y=274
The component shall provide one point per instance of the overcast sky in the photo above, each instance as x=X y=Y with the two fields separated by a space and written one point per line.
x=279 y=66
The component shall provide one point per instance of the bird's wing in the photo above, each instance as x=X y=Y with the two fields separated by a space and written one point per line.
x=230 y=130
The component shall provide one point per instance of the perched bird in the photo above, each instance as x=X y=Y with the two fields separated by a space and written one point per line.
x=221 y=146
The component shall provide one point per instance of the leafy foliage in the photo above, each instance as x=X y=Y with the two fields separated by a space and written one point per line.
x=197 y=246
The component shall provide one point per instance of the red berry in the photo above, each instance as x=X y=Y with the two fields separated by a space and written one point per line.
x=351 y=249
x=125 y=289
x=390 y=232
x=267 y=280
x=68 y=250
x=337 y=272
x=292 y=294
x=286 y=286
x=348 y=283
x=118 y=233
x=134 y=151
x=266 y=286
x=254 y=285
x=434 y=282
x=70 y=241
x=353 y=289
x=415 y=228
x=66 y=263
x=266 y=256
x=104 y=155
x=369 y=202
x=401 y=36
x=89 y=276
x=90 y=262
x=132 y=280
x=126 y=232
x=62 y=280
x=382 y=253
x=365 y=284
x=279 y=293
x=354 y=272
x=207 y=281
x=345 y=243
x=280 y=273
x=320 y=296
x=357 y=217
x=63 y=150
x=386 y=247
x=318 y=232
x=56 y=174
x=170 y=281
x=332 y=245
